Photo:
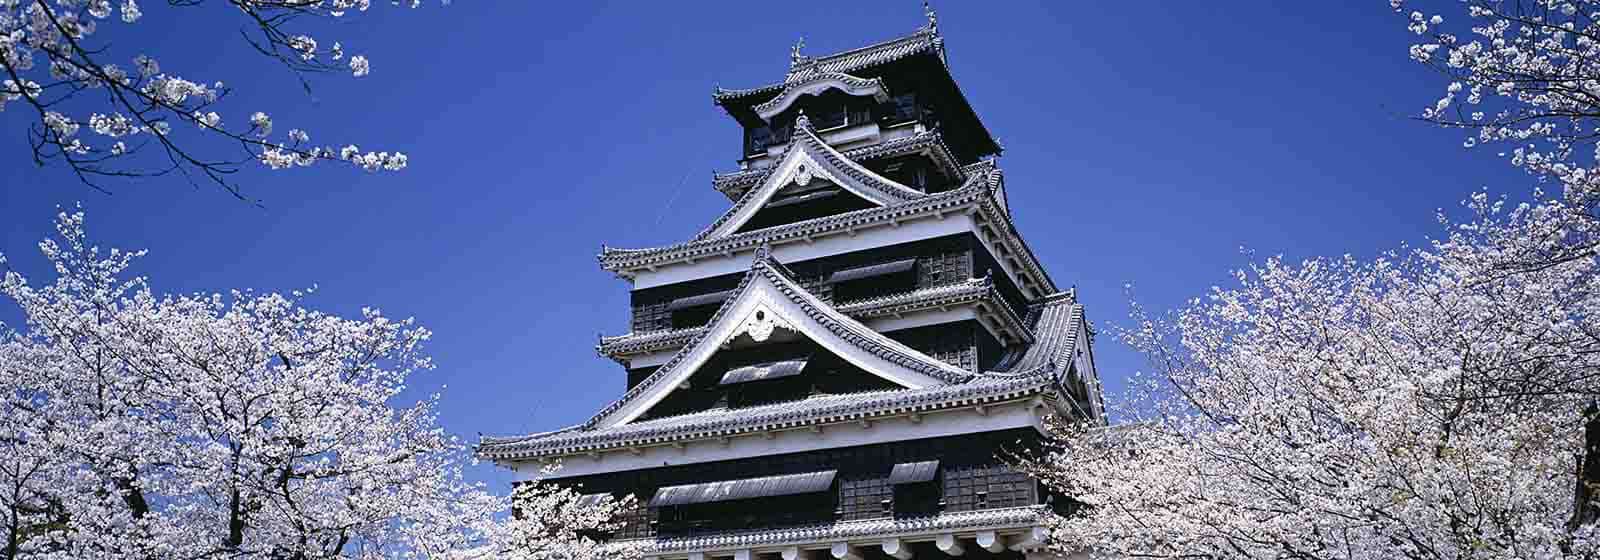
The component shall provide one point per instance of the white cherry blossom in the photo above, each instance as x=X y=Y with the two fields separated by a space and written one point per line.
x=137 y=425
x=1432 y=403
x=68 y=37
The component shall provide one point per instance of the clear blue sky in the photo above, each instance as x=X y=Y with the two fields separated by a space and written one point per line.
x=1143 y=145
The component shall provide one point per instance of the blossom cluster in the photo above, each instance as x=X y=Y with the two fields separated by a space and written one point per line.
x=1521 y=75
x=49 y=52
x=1430 y=403
x=135 y=425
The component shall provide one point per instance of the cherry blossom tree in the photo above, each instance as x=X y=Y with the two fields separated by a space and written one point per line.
x=1429 y=404
x=1435 y=403
x=107 y=112
x=1521 y=77
x=240 y=425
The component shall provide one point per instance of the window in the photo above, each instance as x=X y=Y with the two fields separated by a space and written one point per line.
x=874 y=280
x=917 y=499
x=860 y=111
x=908 y=172
x=766 y=383
x=969 y=477
x=697 y=310
x=905 y=107
x=757 y=139
x=651 y=317
x=831 y=116
x=733 y=504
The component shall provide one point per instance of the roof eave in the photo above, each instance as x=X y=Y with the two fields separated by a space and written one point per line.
x=623 y=261
x=1040 y=387
x=977 y=293
x=627 y=261
x=997 y=519
x=930 y=143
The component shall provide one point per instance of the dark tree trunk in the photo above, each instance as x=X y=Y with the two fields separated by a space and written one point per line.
x=1583 y=506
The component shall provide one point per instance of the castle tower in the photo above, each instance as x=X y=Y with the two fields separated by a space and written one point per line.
x=835 y=366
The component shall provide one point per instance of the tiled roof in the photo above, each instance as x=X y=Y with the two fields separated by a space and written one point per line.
x=973 y=290
x=884 y=527
x=806 y=143
x=615 y=259
x=718 y=94
x=925 y=40
x=823 y=409
x=919 y=471
x=744 y=488
x=764 y=371
x=1028 y=372
x=765 y=267
x=984 y=183
x=1054 y=321
x=821 y=81
x=931 y=141
x=872 y=270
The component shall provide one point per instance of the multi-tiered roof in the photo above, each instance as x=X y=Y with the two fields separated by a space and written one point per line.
x=769 y=298
x=864 y=317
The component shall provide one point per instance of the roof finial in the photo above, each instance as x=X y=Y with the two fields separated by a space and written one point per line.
x=933 y=18
x=801 y=121
x=795 y=58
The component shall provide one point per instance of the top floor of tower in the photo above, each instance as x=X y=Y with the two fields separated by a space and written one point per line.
x=857 y=98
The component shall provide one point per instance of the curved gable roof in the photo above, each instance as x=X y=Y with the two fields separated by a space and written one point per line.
x=818 y=83
x=1036 y=369
x=768 y=298
x=809 y=157
x=924 y=40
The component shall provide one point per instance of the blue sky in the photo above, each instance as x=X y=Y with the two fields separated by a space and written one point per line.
x=1143 y=145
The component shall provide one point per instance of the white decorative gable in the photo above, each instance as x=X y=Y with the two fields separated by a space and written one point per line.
x=770 y=301
x=807 y=159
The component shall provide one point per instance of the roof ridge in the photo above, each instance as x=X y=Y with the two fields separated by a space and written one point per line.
x=922 y=39
x=920 y=34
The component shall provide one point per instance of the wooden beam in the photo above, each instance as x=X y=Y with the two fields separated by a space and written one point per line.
x=843 y=551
